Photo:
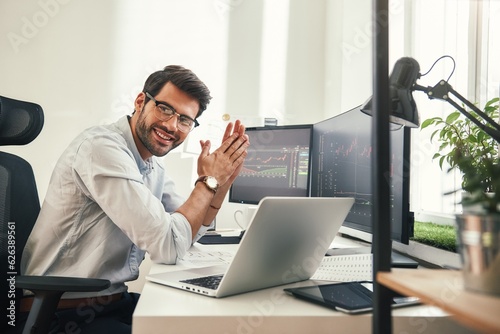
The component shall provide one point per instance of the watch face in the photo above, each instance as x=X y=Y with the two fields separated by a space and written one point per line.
x=211 y=182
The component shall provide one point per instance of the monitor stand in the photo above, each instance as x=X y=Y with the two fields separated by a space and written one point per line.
x=397 y=260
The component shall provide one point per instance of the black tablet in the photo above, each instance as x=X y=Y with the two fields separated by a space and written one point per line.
x=348 y=297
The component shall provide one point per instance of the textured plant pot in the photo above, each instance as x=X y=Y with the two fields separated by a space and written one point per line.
x=478 y=241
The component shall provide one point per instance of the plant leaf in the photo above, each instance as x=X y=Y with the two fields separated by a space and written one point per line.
x=426 y=123
x=452 y=117
x=441 y=162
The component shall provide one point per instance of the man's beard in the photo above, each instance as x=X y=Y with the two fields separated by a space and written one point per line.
x=144 y=132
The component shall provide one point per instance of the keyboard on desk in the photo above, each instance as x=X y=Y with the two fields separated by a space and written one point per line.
x=345 y=268
x=209 y=282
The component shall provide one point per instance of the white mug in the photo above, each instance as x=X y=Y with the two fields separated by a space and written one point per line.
x=244 y=216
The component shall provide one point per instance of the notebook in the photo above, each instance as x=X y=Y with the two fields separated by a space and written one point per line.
x=284 y=243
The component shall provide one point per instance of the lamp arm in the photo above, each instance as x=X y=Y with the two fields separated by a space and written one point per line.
x=443 y=90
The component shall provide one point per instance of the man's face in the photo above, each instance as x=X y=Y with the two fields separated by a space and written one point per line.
x=159 y=137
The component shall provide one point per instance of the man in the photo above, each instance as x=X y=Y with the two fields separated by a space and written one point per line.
x=110 y=200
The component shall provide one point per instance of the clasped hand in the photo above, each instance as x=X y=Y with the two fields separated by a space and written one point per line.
x=225 y=162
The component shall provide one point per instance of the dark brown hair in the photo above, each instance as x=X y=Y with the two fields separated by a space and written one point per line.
x=183 y=79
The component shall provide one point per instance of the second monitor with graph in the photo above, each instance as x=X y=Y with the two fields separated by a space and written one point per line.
x=342 y=156
x=278 y=164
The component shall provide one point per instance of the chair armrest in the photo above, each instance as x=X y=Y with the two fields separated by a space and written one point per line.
x=48 y=290
x=59 y=283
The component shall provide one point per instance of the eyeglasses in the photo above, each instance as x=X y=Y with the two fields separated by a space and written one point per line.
x=165 y=112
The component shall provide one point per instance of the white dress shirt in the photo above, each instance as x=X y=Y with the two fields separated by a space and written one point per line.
x=104 y=208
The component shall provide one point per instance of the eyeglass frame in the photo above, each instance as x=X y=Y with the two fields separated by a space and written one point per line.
x=175 y=113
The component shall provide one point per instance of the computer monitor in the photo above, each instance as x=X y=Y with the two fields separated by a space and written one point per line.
x=342 y=159
x=278 y=164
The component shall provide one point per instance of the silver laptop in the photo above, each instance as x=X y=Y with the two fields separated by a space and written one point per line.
x=284 y=243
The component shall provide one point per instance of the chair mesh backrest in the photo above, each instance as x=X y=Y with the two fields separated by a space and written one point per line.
x=19 y=208
x=20 y=123
x=4 y=207
x=4 y=243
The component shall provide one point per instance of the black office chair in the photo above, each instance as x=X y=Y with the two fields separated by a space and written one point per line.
x=20 y=123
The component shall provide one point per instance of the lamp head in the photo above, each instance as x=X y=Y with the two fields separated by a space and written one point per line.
x=401 y=82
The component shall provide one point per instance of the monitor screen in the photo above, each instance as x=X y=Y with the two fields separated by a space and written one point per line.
x=342 y=158
x=277 y=164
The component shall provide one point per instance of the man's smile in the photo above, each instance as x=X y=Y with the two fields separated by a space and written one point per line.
x=165 y=137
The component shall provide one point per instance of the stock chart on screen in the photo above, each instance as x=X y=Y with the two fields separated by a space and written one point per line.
x=277 y=164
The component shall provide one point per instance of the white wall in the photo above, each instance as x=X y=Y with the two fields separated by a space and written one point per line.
x=85 y=61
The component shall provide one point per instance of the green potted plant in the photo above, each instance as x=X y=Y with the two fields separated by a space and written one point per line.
x=466 y=147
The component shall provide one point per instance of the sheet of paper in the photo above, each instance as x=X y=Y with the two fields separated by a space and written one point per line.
x=204 y=259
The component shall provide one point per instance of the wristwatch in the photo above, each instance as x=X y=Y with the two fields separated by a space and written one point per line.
x=209 y=181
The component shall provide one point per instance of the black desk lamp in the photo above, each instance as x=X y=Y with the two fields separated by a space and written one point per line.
x=403 y=109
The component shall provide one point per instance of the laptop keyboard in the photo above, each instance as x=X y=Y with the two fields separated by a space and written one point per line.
x=209 y=282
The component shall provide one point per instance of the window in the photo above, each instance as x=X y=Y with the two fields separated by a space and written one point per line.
x=465 y=31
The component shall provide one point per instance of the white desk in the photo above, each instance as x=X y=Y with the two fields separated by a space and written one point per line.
x=167 y=310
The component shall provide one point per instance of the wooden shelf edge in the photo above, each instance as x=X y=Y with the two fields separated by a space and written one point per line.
x=444 y=289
